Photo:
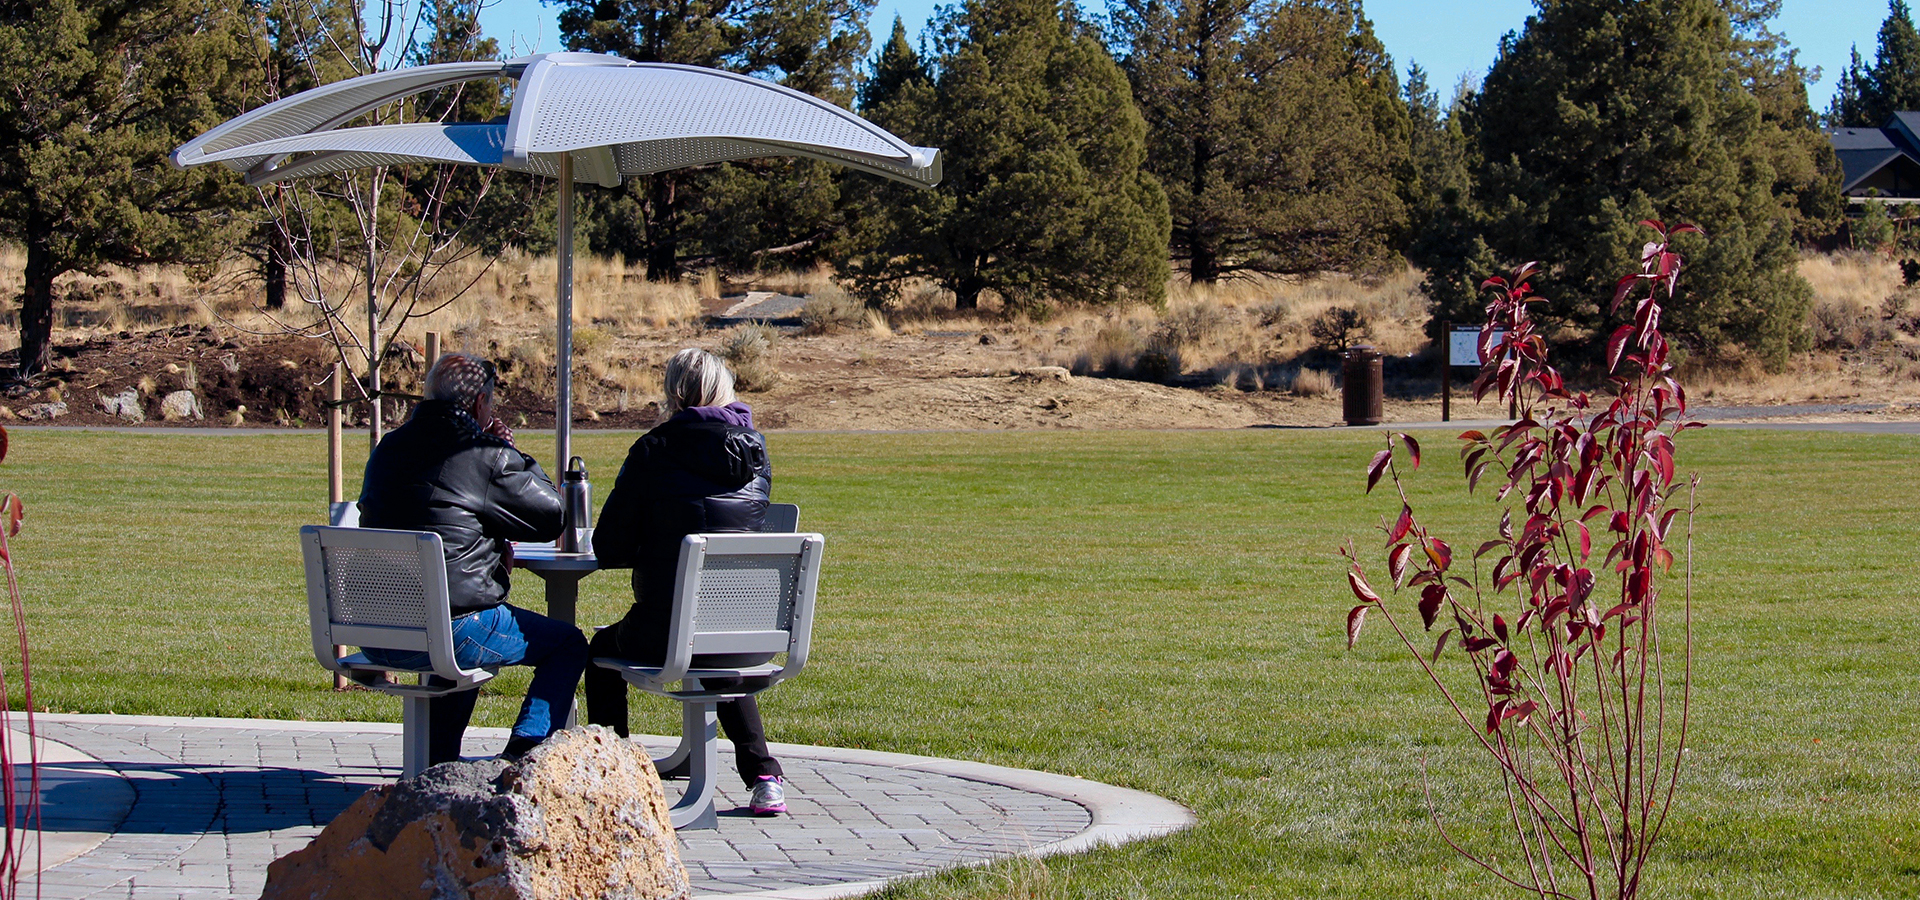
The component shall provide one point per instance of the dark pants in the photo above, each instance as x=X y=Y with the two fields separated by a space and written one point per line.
x=739 y=719
x=502 y=636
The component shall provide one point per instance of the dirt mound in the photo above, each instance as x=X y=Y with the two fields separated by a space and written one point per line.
x=277 y=381
x=958 y=380
x=827 y=382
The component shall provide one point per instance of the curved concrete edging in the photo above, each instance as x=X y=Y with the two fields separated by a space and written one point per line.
x=79 y=833
x=1120 y=815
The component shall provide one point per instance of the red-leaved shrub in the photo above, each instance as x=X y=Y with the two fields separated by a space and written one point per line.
x=1561 y=672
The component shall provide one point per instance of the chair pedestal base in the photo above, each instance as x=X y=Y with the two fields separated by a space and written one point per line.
x=700 y=749
x=414 y=715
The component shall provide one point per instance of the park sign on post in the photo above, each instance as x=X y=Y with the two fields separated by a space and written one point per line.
x=1463 y=345
x=1463 y=350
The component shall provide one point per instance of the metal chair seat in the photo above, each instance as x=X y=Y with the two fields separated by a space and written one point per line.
x=734 y=593
x=385 y=589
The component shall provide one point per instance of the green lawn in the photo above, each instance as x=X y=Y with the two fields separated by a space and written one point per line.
x=1156 y=610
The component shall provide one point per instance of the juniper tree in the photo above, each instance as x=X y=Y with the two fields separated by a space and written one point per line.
x=1848 y=108
x=99 y=93
x=1275 y=129
x=1044 y=198
x=895 y=66
x=1599 y=114
x=1444 y=238
x=1806 y=173
x=733 y=214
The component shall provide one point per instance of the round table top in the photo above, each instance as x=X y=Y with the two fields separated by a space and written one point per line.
x=544 y=557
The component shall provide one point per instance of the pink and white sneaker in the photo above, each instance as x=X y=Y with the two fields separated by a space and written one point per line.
x=769 y=798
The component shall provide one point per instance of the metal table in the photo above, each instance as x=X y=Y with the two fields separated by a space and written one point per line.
x=562 y=573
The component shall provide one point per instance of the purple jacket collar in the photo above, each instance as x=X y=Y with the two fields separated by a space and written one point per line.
x=736 y=414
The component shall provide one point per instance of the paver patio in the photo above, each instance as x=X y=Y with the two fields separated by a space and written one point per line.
x=152 y=808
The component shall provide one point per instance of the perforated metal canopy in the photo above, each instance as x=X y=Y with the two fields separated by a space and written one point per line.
x=577 y=117
x=612 y=116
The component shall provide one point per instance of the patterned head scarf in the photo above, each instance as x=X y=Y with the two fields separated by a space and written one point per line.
x=461 y=379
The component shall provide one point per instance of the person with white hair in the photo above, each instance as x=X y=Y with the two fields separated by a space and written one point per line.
x=704 y=469
x=453 y=469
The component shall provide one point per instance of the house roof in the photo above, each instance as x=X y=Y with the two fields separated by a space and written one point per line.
x=1864 y=152
x=1845 y=139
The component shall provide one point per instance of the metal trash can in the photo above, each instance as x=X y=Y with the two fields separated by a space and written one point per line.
x=1360 y=390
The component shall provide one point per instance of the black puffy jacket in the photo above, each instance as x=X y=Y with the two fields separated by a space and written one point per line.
x=692 y=474
x=439 y=472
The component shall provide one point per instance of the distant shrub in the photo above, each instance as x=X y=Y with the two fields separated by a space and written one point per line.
x=1338 y=327
x=748 y=350
x=831 y=310
x=1118 y=351
x=1159 y=362
x=1897 y=310
x=1874 y=228
x=1112 y=351
x=1273 y=313
x=1193 y=325
x=1842 y=326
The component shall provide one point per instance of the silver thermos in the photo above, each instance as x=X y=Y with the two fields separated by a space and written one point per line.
x=576 y=495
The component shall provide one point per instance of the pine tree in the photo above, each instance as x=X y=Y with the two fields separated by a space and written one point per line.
x=1806 y=173
x=99 y=93
x=1044 y=198
x=894 y=67
x=1893 y=83
x=1848 y=107
x=737 y=215
x=1276 y=130
x=1445 y=239
x=1600 y=114
x=1437 y=153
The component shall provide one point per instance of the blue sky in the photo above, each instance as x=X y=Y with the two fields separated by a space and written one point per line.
x=1448 y=39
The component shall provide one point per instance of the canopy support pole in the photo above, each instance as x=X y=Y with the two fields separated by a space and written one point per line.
x=563 y=330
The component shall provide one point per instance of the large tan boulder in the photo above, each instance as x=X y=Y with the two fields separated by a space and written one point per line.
x=581 y=816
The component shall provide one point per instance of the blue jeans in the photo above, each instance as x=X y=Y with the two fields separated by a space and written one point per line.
x=504 y=635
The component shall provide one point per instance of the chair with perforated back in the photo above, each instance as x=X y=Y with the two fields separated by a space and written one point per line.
x=378 y=588
x=782 y=517
x=748 y=593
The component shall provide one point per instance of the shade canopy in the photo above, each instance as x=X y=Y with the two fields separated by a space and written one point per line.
x=577 y=117
x=613 y=117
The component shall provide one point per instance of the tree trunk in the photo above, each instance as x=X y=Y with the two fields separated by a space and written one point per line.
x=663 y=239
x=1203 y=265
x=966 y=292
x=36 y=307
x=1203 y=252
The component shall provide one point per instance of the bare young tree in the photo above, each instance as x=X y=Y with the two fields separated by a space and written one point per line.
x=367 y=251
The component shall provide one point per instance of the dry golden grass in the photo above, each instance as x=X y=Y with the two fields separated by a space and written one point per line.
x=1860 y=354
x=1859 y=278
x=474 y=298
x=1247 y=333
x=119 y=298
x=1244 y=332
x=797 y=284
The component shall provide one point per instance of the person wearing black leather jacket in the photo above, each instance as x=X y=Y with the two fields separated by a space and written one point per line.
x=445 y=472
x=704 y=469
